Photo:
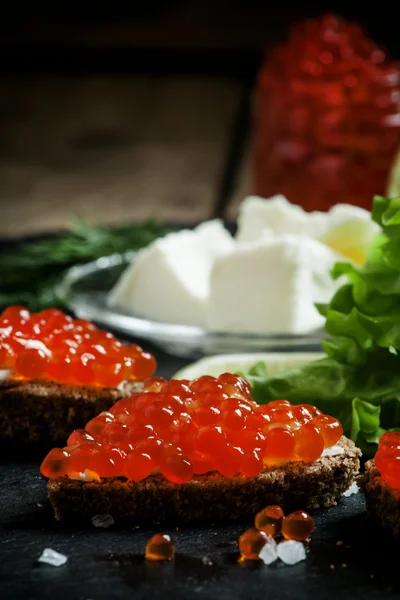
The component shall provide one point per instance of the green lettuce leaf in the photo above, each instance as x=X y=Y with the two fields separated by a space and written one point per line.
x=359 y=380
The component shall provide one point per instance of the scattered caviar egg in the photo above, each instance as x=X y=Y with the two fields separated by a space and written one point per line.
x=52 y=345
x=251 y=542
x=269 y=520
x=184 y=429
x=297 y=526
x=160 y=547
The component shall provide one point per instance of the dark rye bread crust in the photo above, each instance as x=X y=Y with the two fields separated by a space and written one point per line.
x=383 y=502
x=209 y=497
x=47 y=412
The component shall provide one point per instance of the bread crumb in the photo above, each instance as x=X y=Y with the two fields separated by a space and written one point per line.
x=344 y=565
x=104 y=521
x=339 y=543
x=332 y=567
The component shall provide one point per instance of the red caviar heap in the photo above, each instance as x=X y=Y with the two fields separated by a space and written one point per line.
x=52 y=345
x=387 y=459
x=184 y=428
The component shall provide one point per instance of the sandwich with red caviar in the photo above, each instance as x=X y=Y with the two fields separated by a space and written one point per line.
x=204 y=450
x=381 y=483
x=56 y=373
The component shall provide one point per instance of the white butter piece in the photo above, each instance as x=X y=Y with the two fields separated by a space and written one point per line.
x=4 y=374
x=270 y=286
x=335 y=450
x=169 y=280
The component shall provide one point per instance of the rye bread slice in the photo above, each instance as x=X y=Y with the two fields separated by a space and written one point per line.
x=211 y=497
x=46 y=412
x=383 y=502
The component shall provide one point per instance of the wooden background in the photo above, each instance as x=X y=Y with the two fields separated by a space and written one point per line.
x=122 y=114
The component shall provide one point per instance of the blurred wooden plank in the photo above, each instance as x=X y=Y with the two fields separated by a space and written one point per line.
x=243 y=185
x=111 y=149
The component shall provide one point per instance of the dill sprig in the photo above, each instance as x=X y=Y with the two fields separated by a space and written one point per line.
x=30 y=271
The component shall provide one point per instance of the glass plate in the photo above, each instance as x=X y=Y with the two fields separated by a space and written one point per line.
x=84 y=289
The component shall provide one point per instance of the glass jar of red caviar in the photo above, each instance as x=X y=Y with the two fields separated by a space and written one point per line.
x=327 y=117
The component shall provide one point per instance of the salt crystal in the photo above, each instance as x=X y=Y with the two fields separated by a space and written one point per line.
x=269 y=552
x=291 y=552
x=51 y=557
x=353 y=489
x=103 y=521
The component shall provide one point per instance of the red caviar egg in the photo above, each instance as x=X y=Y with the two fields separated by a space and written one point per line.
x=56 y=463
x=234 y=384
x=176 y=467
x=390 y=438
x=31 y=363
x=152 y=446
x=228 y=460
x=250 y=464
x=281 y=404
x=107 y=462
x=388 y=464
x=201 y=464
x=309 y=443
x=330 y=428
x=79 y=436
x=297 y=526
x=154 y=384
x=279 y=444
x=160 y=547
x=252 y=439
x=138 y=465
x=7 y=356
x=96 y=425
x=210 y=440
x=251 y=542
x=84 y=368
x=269 y=520
x=80 y=457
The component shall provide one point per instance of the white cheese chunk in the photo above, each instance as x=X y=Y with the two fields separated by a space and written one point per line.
x=345 y=228
x=270 y=286
x=259 y=218
x=169 y=280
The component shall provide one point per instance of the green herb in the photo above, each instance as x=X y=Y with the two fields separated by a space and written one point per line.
x=29 y=273
x=359 y=380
